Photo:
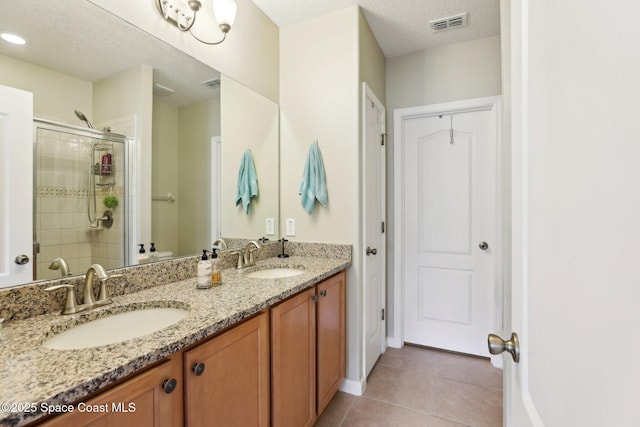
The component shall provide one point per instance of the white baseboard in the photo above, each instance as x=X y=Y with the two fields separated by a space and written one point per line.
x=497 y=361
x=394 y=342
x=353 y=387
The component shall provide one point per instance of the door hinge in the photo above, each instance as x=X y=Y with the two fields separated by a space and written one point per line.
x=383 y=138
x=382 y=227
x=383 y=314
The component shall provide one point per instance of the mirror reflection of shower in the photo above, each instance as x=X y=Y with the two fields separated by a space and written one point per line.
x=101 y=174
x=80 y=207
x=81 y=116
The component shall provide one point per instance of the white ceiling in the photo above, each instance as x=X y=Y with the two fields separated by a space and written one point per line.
x=400 y=26
x=78 y=38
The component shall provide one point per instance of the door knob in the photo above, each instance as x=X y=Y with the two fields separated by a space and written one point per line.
x=484 y=246
x=22 y=259
x=371 y=251
x=497 y=345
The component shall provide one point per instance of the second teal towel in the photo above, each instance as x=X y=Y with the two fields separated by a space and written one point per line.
x=247 y=181
x=313 y=186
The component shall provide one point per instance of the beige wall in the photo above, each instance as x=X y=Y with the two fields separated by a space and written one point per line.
x=197 y=124
x=448 y=73
x=372 y=60
x=181 y=144
x=250 y=121
x=123 y=95
x=55 y=95
x=320 y=98
x=249 y=55
x=164 y=229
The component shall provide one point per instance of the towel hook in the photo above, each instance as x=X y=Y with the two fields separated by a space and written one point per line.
x=315 y=140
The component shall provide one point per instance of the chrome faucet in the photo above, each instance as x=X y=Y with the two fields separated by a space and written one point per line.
x=251 y=247
x=60 y=264
x=245 y=257
x=95 y=270
x=221 y=244
x=89 y=299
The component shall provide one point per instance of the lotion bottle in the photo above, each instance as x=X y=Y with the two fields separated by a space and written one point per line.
x=216 y=275
x=203 y=280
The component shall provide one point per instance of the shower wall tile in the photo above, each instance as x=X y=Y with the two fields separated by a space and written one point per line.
x=49 y=237
x=50 y=221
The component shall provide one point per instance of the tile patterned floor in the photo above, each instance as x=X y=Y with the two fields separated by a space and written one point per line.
x=423 y=387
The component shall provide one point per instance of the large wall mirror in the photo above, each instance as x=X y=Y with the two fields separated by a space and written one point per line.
x=191 y=128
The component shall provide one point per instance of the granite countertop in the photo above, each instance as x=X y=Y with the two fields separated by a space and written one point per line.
x=42 y=377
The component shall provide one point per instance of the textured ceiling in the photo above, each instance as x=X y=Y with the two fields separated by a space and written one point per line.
x=400 y=26
x=78 y=38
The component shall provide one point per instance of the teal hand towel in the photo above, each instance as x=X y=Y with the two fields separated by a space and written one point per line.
x=313 y=185
x=247 y=181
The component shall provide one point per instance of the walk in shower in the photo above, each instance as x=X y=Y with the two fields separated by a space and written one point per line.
x=80 y=200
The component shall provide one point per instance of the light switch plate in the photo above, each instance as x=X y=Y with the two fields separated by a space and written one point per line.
x=270 y=226
x=291 y=226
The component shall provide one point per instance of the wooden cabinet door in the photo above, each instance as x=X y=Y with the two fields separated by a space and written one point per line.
x=138 y=402
x=293 y=341
x=233 y=388
x=331 y=332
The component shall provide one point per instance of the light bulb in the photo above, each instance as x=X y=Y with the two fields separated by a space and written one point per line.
x=225 y=13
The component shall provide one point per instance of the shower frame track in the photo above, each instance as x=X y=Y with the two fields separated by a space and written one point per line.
x=81 y=131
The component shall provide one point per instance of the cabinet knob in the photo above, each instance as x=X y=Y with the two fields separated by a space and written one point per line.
x=169 y=385
x=323 y=293
x=198 y=368
x=314 y=298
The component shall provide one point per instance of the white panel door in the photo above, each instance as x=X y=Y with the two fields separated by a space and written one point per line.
x=374 y=178
x=16 y=187
x=576 y=212
x=449 y=203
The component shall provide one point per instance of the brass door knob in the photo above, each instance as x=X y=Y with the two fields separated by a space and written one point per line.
x=497 y=345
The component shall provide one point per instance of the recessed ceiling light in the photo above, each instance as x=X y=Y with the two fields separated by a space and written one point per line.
x=12 y=38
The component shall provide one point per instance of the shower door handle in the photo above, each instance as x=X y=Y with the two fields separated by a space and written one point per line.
x=22 y=259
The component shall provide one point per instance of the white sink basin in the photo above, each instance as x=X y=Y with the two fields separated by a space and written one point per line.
x=275 y=273
x=115 y=328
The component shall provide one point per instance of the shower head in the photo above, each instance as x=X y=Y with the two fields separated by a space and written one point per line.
x=81 y=116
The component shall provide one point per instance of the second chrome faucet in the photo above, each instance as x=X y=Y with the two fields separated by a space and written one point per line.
x=89 y=299
x=246 y=257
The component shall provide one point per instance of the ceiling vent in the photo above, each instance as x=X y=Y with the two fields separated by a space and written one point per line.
x=450 y=22
x=159 y=90
x=213 y=83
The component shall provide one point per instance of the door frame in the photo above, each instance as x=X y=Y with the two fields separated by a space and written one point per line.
x=492 y=103
x=367 y=92
x=216 y=187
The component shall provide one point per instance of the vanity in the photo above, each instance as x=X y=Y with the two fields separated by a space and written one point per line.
x=252 y=351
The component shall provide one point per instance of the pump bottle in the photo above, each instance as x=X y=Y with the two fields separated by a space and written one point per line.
x=203 y=280
x=216 y=274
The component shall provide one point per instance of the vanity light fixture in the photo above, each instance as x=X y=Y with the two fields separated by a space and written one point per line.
x=183 y=16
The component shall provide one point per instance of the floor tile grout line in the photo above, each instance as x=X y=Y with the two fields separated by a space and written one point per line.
x=397 y=405
x=344 y=417
x=437 y=375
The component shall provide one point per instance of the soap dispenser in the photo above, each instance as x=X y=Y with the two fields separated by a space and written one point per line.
x=203 y=280
x=216 y=275
x=152 y=251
